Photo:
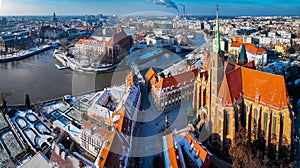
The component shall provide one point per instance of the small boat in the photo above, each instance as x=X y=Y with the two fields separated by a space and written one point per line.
x=60 y=67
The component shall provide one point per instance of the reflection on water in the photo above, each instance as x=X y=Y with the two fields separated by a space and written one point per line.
x=38 y=77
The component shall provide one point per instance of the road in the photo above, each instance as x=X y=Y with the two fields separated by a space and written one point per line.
x=147 y=150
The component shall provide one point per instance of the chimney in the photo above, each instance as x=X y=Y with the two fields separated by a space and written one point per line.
x=57 y=149
x=64 y=155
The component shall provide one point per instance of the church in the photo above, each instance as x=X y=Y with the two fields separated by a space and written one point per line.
x=237 y=95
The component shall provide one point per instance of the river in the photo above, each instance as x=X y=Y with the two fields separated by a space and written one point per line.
x=38 y=77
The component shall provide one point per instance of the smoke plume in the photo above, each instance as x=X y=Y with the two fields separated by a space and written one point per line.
x=166 y=3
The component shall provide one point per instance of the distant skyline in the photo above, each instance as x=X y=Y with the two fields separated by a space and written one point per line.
x=128 y=7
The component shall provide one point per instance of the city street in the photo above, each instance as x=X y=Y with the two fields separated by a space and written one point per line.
x=147 y=142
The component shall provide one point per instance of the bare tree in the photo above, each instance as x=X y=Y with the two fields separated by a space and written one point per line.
x=241 y=151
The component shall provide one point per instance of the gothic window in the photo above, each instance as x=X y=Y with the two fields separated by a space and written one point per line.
x=274 y=124
x=227 y=123
x=265 y=121
x=255 y=119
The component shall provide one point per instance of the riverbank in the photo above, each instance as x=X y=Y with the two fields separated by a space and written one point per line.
x=69 y=63
x=26 y=54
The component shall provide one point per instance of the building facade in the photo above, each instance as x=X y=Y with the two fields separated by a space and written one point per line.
x=109 y=50
x=171 y=90
x=239 y=95
x=15 y=42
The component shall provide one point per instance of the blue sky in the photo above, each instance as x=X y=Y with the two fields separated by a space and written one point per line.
x=125 y=7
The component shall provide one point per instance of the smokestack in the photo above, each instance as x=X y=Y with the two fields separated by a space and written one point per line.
x=183 y=9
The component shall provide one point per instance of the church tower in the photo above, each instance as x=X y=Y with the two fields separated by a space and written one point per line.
x=216 y=75
x=54 y=18
x=242 y=57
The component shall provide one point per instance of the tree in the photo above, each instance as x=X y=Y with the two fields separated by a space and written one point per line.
x=290 y=50
x=190 y=112
x=241 y=151
x=4 y=105
x=27 y=101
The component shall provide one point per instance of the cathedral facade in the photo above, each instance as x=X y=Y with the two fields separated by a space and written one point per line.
x=233 y=96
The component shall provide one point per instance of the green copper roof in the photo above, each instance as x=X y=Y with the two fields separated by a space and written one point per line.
x=217 y=42
x=242 y=58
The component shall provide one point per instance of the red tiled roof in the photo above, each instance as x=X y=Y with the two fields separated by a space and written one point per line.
x=255 y=50
x=231 y=87
x=269 y=88
x=188 y=77
x=117 y=37
x=171 y=151
x=249 y=47
x=229 y=67
x=279 y=45
x=123 y=41
x=90 y=42
x=151 y=76
x=250 y=65
x=105 y=150
x=197 y=147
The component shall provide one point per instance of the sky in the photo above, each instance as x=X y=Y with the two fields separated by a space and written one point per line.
x=129 y=7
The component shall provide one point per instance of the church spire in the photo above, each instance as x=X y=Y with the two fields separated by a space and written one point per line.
x=217 y=38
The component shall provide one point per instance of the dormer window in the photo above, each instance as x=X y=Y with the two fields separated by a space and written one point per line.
x=257 y=96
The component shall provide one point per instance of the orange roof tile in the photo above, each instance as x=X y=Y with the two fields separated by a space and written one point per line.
x=225 y=92
x=269 y=88
x=201 y=151
x=237 y=39
x=90 y=42
x=188 y=77
x=151 y=76
x=279 y=45
x=105 y=150
x=150 y=73
x=171 y=151
x=249 y=47
x=255 y=50
x=231 y=87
